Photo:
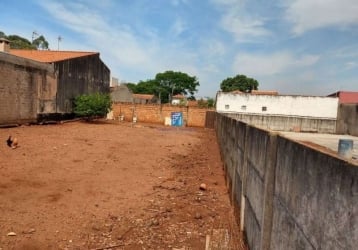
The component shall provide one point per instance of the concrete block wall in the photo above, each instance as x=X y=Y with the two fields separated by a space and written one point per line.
x=153 y=113
x=288 y=123
x=290 y=196
x=347 y=122
x=26 y=89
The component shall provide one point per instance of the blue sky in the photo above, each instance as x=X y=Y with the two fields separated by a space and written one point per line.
x=307 y=47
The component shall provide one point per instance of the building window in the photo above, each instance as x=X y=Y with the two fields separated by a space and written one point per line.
x=264 y=108
x=227 y=106
x=243 y=107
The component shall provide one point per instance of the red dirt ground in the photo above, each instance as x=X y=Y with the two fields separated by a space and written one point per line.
x=109 y=185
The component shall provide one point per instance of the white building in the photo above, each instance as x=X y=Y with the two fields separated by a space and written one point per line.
x=278 y=105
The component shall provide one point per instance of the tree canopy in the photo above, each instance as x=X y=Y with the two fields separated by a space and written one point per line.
x=40 y=43
x=92 y=105
x=168 y=84
x=239 y=82
x=18 y=42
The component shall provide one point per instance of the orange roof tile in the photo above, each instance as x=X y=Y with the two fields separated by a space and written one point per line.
x=143 y=96
x=179 y=96
x=48 y=56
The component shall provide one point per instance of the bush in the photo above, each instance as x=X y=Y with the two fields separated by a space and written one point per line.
x=92 y=105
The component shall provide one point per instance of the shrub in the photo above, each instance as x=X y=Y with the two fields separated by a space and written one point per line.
x=92 y=105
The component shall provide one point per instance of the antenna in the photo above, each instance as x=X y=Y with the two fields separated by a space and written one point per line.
x=59 y=39
x=34 y=34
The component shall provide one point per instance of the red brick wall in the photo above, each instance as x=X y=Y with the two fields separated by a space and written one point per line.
x=154 y=113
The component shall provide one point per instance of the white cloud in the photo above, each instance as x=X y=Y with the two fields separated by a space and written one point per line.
x=178 y=27
x=237 y=20
x=351 y=65
x=272 y=64
x=244 y=29
x=178 y=2
x=309 y=15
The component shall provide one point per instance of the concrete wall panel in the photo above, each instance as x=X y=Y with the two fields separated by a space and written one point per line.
x=287 y=123
x=290 y=196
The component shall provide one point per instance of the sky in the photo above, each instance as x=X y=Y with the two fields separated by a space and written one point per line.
x=298 y=47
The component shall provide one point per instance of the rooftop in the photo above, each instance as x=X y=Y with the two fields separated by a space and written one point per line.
x=143 y=96
x=49 y=56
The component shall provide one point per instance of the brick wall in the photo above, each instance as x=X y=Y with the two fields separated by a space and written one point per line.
x=154 y=113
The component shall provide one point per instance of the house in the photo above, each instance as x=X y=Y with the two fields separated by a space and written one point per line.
x=144 y=99
x=346 y=97
x=178 y=99
x=77 y=73
x=121 y=93
x=37 y=83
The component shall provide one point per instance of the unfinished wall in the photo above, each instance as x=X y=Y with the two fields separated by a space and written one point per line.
x=153 y=113
x=290 y=196
x=27 y=88
x=347 y=122
x=288 y=123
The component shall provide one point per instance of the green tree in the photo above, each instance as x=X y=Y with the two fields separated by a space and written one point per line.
x=92 y=105
x=239 y=82
x=40 y=43
x=18 y=42
x=206 y=103
x=177 y=83
x=167 y=84
x=211 y=102
x=132 y=86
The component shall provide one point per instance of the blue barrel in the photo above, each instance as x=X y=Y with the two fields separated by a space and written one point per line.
x=345 y=148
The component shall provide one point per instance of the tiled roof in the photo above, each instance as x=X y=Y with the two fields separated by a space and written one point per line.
x=143 y=96
x=346 y=96
x=264 y=92
x=179 y=96
x=49 y=56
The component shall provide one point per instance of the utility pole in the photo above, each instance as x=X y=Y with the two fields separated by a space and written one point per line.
x=59 y=39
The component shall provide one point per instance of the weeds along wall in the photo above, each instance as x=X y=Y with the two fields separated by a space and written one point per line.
x=154 y=113
x=288 y=195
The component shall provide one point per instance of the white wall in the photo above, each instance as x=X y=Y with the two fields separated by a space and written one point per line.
x=304 y=106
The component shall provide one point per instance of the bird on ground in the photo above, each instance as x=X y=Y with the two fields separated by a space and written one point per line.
x=12 y=142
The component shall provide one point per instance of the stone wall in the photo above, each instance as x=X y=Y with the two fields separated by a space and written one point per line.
x=154 y=113
x=289 y=195
x=27 y=88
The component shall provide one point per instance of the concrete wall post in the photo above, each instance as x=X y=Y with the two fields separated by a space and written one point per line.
x=269 y=191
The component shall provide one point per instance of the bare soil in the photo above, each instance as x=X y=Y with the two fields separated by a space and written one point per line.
x=110 y=185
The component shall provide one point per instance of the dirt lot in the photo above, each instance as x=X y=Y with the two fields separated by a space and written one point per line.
x=113 y=186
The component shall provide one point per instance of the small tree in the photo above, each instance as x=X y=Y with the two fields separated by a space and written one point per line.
x=92 y=105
